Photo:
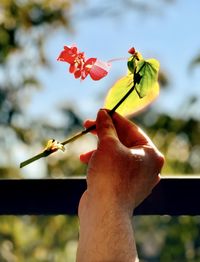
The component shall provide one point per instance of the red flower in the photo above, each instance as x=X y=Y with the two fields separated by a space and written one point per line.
x=80 y=66
x=99 y=69
x=131 y=51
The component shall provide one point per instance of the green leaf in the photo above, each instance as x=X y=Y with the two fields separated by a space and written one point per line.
x=131 y=64
x=133 y=61
x=144 y=93
x=148 y=70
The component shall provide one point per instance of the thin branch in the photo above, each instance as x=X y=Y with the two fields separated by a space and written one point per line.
x=137 y=78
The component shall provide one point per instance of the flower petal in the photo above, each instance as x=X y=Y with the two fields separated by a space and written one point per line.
x=53 y=145
x=69 y=54
x=99 y=69
x=87 y=67
x=77 y=73
x=72 y=68
x=89 y=63
x=84 y=74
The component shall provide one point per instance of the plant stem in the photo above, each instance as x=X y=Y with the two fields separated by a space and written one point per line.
x=45 y=153
x=93 y=127
x=32 y=159
x=137 y=78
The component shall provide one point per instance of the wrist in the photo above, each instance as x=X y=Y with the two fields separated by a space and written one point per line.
x=106 y=228
x=94 y=203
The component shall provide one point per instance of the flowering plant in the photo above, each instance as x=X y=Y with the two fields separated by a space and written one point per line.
x=130 y=94
x=82 y=67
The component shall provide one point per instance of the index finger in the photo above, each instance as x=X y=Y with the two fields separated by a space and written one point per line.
x=105 y=126
x=129 y=134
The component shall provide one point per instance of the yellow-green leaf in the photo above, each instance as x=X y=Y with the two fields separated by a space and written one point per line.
x=133 y=102
x=148 y=70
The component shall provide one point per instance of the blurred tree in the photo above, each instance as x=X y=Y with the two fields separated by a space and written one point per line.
x=117 y=8
x=177 y=138
x=165 y=238
x=24 y=29
x=38 y=239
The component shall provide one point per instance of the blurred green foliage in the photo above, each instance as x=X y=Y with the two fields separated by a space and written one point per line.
x=24 y=27
x=38 y=239
x=165 y=238
x=177 y=138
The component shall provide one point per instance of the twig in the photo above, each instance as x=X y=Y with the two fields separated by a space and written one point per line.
x=45 y=153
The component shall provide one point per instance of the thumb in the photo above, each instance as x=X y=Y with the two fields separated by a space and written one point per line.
x=104 y=125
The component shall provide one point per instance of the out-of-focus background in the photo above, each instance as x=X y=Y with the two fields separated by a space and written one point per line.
x=40 y=100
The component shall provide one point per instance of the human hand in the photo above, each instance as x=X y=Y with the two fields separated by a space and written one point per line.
x=124 y=168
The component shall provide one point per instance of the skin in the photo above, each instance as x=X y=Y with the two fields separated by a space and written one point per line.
x=122 y=172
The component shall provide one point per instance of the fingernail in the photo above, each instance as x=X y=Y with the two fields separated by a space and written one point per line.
x=102 y=110
x=102 y=113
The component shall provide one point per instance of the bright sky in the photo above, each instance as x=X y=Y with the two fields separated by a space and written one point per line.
x=171 y=35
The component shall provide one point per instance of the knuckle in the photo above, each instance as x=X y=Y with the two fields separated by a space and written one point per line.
x=107 y=125
x=161 y=159
x=156 y=156
x=109 y=140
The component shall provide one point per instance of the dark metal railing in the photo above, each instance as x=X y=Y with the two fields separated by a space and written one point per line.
x=178 y=195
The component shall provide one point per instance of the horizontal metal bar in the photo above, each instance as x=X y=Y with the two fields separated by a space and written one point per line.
x=172 y=196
